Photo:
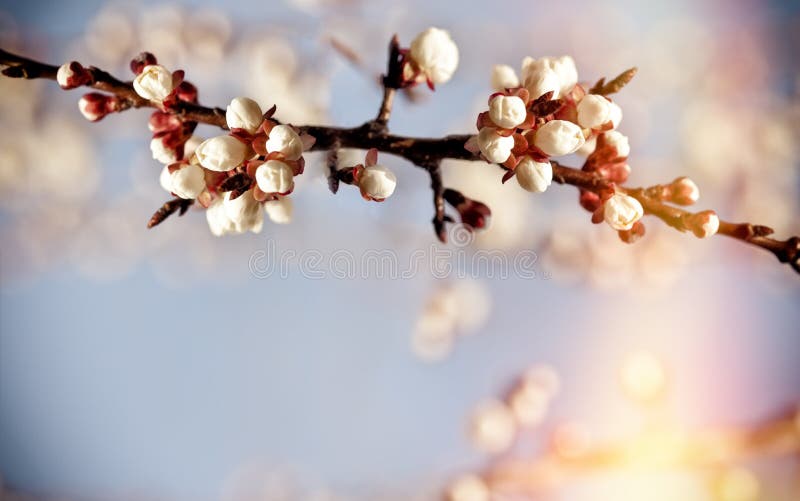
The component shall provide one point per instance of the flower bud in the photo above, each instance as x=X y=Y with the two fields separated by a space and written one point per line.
x=683 y=191
x=161 y=152
x=495 y=148
x=94 y=106
x=139 y=62
x=593 y=111
x=504 y=77
x=274 y=176
x=435 y=54
x=564 y=68
x=221 y=153
x=507 y=111
x=541 y=82
x=165 y=179
x=619 y=141
x=190 y=146
x=218 y=221
x=534 y=176
x=188 y=181
x=475 y=215
x=244 y=212
x=284 y=139
x=376 y=182
x=154 y=83
x=636 y=232
x=703 y=224
x=622 y=211
x=71 y=75
x=558 y=137
x=244 y=113
x=615 y=114
x=280 y=210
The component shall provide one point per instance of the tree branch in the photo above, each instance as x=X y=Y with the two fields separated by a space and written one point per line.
x=426 y=153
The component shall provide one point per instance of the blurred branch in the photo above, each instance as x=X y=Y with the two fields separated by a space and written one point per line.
x=426 y=153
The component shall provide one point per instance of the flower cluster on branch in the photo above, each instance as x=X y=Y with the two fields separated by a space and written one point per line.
x=532 y=119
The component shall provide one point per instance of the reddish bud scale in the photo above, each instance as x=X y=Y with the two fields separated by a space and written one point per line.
x=590 y=200
x=634 y=234
x=94 y=106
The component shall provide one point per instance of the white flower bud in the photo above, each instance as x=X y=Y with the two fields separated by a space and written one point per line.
x=621 y=211
x=558 y=137
x=221 y=153
x=504 y=77
x=274 y=176
x=188 y=181
x=244 y=212
x=507 y=111
x=435 y=54
x=615 y=114
x=534 y=176
x=191 y=145
x=469 y=488
x=564 y=68
x=161 y=153
x=244 y=113
x=495 y=148
x=593 y=111
x=377 y=182
x=218 y=221
x=705 y=224
x=541 y=82
x=153 y=83
x=280 y=210
x=165 y=179
x=492 y=427
x=284 y=139
x=618 y=141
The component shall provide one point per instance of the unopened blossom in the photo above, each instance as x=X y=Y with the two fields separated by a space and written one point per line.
x=618 y=141
x=279 y=211
x=190 y=146
x=593 y=111
x=534 y=176
x=71 y=75
x=504 y=77
x=704 y=224
x=274 y=176
x=493 y=427
x=94 y=106
x=154 y=83
x=165 y=179
x=244 y=113
x=541 y=82
x=614 y=115
x=684 y=191
x=188 y=181
x=218 y=221
x=284 y=139
x=507 y=111
x=244 y=211
x=495 y=148
x=622 y=211
x=162 y=153
x=564 y=68
x=468 y=488
x=376 y=182
x=435 y=55
x=221 y=153
x=558 y=137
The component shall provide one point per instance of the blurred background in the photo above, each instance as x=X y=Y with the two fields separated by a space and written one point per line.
x=167 y=364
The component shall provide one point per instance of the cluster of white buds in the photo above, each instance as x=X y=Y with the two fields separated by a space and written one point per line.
x=539 y=76
x=432 y=58
x=257 y=163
